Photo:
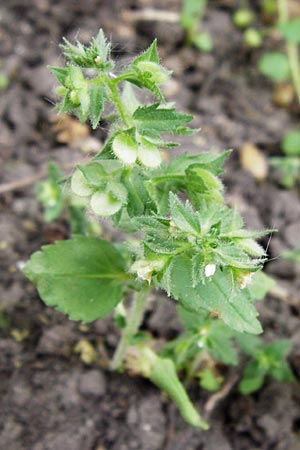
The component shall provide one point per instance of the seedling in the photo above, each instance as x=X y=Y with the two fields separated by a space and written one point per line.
x=191 y=244
x=283 y=66
x=289 y=165
x=191 y=17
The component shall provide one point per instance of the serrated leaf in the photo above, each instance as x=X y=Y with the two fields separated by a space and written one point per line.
x=218 y=296
x=138 y=200
x=81 y=277
x=148 y=55
x=60 y=73
x=153 y=120
x=183 y=215
x=97 y=96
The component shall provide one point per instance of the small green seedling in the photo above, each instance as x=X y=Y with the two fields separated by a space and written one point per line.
x=206 y=345
x=266 y=360
x=283 y=66
x=191 y=17
x=289 y=165
x=176 y=232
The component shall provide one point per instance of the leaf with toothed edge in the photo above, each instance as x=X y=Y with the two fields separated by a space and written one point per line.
x=81 y=277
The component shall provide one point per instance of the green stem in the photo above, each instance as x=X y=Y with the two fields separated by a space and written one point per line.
x=115 y=97
x=134 y=321
x=293 y=55
x=292 y=49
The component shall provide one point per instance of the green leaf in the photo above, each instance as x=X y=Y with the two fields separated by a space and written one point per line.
x=291 y=30
x=218 y=296
x=253 y=377
x=97 y=96
x=81 y=277
x=250 y=344
x=49 y=193
x=218 y=342
x=60 y=73
x=191 y=320
x=96 y=55
x=148 y=55
x=138 y=201
x=275 y=65
x=164 y=375
x=203 y=41
x=208 y=380
x=191 y=12
x=183 y=215
x=291 y=143
x=152 y=120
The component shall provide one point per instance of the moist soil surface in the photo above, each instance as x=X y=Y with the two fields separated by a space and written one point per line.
x=50 y=399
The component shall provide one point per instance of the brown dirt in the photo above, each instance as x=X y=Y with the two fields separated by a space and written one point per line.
x=51 y=400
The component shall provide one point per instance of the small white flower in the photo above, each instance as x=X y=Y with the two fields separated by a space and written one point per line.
x=143 y=269
x=97 y=60
x=209 y=270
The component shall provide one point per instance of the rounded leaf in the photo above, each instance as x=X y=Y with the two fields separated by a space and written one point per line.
x=125 y=148
x=149 y=155
x=291 y=143
x=275 y=65
x=104 y=204
x=79 y=184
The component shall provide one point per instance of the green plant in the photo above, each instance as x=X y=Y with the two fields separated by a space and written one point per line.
x=191 y=244
x=266 y=360
x=283 y=66
x=289 y=165
x=56 y=200
x=206 y=345
x=191 y=16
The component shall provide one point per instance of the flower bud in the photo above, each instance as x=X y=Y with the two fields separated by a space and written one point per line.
x=74 y=97
x=61 y=91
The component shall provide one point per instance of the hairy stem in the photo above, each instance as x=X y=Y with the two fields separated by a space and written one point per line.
x=134 y=321
x=292 y=48
x=115 y=97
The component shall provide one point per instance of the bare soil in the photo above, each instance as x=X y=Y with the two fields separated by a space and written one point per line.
x=49 y=398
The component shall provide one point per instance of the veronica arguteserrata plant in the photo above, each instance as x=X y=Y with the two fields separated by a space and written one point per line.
x=193 y=246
